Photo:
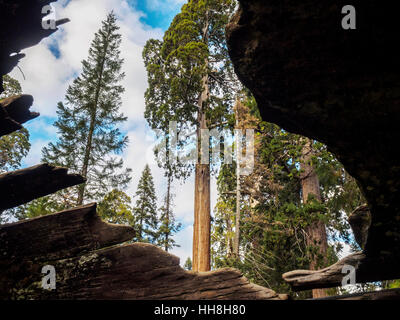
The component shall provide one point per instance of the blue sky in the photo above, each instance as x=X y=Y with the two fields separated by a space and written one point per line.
x=155 y=14
x=157 y=17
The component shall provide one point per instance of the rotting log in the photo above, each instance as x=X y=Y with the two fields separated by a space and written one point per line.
x=341 y=87
x=360 y=221
x=137 y=271
x=21 y=186
x=59 y=236
x=367 y=269
x=20 y=28
x=90 y=264
x=14 y=111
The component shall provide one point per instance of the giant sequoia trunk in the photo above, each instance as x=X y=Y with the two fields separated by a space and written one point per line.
x=316 y=232
x=201 y=243
x=167 y=210
x=202 y=211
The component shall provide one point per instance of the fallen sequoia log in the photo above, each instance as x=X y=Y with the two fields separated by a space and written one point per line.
x=14 y=111
x=21 y=186
x=341 y=87
x=367 y=269
x=90 y=263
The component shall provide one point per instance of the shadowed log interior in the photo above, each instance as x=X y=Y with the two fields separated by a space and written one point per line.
x=341 y=87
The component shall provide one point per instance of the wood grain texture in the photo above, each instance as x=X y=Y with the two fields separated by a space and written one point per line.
x=135 y=271
x=21 y=186
x=91 y=263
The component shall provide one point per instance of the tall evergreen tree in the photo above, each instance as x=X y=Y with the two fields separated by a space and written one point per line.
x=145 y=211
x=190 y=81
x=188 y=264
x=316 y=232
x=88 y=137
x=275 y=221
x=168 y=225
x=115 y=208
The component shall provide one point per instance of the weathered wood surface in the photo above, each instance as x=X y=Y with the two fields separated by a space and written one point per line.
x=390 y=294
x=59 y=236
x=139 y=271
x=367 y=269
x=21 y=186
x=90 y=264
x=312 y=77
x=360 y=221
x=14 y=111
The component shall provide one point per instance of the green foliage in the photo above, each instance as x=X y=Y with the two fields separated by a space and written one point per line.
x=145 y=211
x=193 y=48
x=274 y=219
x=15 y=146
x=11 y=87
x=395 y=284
x=36 y=208
x=188 y=264
x=115 y=208
x=89 y=140
x=168 y=225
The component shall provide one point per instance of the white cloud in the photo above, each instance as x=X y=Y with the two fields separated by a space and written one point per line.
x=35 y=153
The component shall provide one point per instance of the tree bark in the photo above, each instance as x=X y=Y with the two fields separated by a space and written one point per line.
x=22 y=186
x=14 y=111
x=168 y=212
x=202 y=212
x=316 y=232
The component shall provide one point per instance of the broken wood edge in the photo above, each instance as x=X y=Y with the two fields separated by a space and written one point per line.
x=51 y=238
x=358 y=267
x=131 y=271
x=17 y=107
x=14 y=111
x=44 y=179
x=329 y=277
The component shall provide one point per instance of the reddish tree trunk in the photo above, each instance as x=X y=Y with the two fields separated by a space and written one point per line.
x=316 y=232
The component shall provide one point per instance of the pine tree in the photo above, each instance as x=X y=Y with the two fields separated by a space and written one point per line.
x=190 y=81
x=188 y=264
x=115 y=208
x=168 y=225
x=145 y=211
x=88 y=136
